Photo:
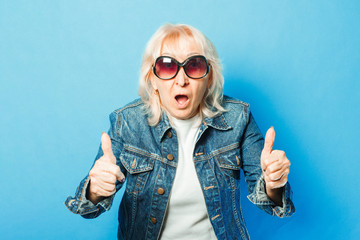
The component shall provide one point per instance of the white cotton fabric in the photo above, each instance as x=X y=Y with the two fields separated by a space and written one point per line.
x=186 y=216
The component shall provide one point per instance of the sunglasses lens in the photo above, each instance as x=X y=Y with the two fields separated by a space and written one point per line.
x=165 y=68
x=196 y=67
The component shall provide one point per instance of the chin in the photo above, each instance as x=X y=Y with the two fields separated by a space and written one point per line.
x=183 y=115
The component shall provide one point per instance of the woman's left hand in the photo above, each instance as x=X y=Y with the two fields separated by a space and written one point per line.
x=275 y=165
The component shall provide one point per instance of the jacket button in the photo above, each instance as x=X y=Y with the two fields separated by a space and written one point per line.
x=161 y=191
x=169 y=134
x=170 y=157
x=153 y=220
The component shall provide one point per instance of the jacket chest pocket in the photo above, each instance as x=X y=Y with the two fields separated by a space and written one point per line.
x=138 y=164
x=229 y=165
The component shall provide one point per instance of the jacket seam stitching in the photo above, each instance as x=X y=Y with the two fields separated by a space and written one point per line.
x=218 y=190
x=135 y=104
x=217 y=152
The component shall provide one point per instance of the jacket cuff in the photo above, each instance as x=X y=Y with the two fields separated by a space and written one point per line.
x=81 y=205
x=262 y=200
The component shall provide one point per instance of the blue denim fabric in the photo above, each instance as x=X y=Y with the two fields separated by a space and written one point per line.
x=226 y=144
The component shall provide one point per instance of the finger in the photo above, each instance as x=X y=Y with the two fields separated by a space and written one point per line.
x=103 y=168
x=277 y=169
x=279 y=154
x=272 y=166
x=120 y=177
x=107 y=177
x=106 y=146
x=279 y=157
x=276 y=160
x=102 y=183
x=112 y=174
x=280 y=183
x=108 y=187
x=102 y=192
x=269 y=141
x=108 y=167
x=277 y=183
x=100 y=188
x=271 y=162
x=276 y=176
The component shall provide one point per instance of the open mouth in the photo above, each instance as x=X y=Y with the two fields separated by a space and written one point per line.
x=181 y=99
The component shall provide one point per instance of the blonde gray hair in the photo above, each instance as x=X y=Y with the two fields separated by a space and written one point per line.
x=170 y=33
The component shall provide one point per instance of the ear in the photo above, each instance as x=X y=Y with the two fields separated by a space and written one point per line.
x=153 y=82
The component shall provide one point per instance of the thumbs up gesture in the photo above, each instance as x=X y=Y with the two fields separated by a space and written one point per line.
x=274 y=163
x=104 y=173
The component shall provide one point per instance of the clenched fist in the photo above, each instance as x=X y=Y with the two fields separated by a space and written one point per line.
x=104 y=173
x=276 y=167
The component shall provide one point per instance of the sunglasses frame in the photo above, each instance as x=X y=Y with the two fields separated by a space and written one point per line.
x=178 y=64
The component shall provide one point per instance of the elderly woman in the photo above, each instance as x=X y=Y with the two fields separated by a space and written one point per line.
x=181 y=148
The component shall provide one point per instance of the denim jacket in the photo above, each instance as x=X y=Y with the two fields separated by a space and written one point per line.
x=148 y=156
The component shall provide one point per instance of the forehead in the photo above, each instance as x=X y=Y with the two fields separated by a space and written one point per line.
x=180 y=47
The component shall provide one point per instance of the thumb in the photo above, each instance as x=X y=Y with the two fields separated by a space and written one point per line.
x=106 y=145
x=269 y=141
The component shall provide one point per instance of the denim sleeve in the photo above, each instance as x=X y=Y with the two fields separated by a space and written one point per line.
x=79 y=204
x=251 y=147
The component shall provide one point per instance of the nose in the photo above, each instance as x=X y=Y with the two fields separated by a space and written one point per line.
x=181 y=78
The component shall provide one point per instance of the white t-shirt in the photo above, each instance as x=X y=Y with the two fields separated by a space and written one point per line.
x=186 y=217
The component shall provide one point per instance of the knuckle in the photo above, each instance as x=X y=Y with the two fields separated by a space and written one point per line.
x=112 y=179
x=95 y=190
x=92 y=175
x=271 y=185
x=94 y=183
x=280 y=153
x=117 y=168
x=266 y=178
x=272 y=177
x=105 y=194
x=113 y=170
x=275 y=152
x=266 y=164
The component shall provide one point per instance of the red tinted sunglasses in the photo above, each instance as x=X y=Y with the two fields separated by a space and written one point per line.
x=195 y=67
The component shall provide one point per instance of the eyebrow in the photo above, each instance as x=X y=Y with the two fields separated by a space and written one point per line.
x=188 y=55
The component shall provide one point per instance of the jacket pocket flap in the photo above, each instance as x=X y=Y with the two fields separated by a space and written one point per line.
x=229 y=159
x=136 y=160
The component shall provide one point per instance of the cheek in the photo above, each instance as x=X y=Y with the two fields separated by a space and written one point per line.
x=164 y=91
x=204 y=86
x=200 y=93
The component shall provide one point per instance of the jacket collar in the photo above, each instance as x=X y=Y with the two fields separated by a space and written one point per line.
x=218 y=122
x=163 y=126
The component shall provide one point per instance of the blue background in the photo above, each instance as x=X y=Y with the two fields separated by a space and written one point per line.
x=65 y=65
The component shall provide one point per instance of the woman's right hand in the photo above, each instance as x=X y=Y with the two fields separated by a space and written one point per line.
x=104 y=173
